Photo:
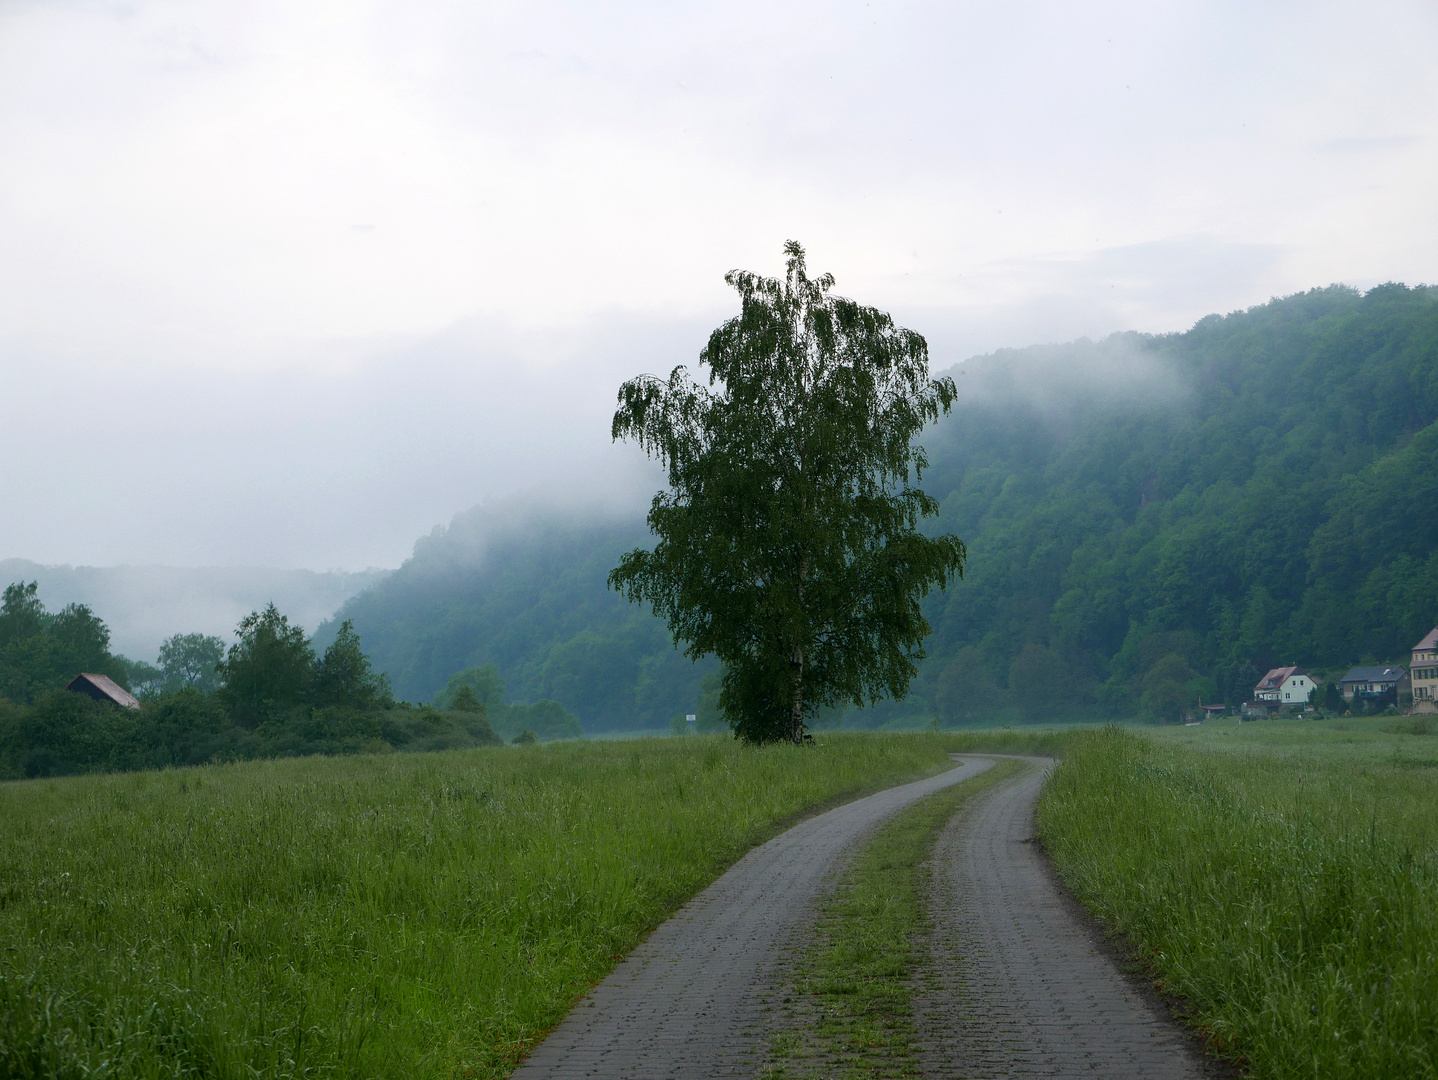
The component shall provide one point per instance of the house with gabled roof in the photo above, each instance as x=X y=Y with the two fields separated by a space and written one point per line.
x=102 y=688
x=1373 y=682
x=1284 y=686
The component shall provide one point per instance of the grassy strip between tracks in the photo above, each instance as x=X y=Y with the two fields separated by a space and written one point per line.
x=1283 y=880
x=849 y=1009
x=402 y=916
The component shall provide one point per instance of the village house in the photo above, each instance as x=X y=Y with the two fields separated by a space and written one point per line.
x=102 y=688
x=1372 y=682
x=1425 y=668
x=1284 y=686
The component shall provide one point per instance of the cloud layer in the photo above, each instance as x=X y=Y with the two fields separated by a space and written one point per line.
x=290 y=283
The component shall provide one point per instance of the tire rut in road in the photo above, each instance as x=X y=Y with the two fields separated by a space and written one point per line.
x=1020 y=985
x=688 y=1002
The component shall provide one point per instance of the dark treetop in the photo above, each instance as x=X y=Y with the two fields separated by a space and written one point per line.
x=787 y=543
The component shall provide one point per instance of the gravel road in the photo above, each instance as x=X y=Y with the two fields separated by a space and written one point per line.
x=690 y=1000
x=1022 y=986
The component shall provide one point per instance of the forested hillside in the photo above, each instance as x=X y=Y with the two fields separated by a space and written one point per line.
x=1262 y=491
x=1150 y=520
x=522 y=587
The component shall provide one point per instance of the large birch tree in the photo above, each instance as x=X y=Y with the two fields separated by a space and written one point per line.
x=787 y=543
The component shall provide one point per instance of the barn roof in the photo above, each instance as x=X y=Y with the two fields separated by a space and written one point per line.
x=102 y=687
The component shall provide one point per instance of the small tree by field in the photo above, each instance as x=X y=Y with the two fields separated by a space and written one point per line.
x=343 y=676
x=270 y=666
x=788 y=542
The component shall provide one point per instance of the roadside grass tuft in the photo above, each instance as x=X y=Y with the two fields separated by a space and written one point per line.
x=849 y=1010
x=422 y=915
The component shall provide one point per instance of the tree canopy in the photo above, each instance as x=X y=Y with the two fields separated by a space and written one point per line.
x=40 y=649
x=191 y=660
x=787 y=541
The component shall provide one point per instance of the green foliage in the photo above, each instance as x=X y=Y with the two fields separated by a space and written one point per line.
x=143 y=678
x=967 y=692
x=1243 y=495
x=523 y=589
x=191 y=661
x=41 y=651
x=466 y=700
x=545 y=720
x=483 y=683
x=525 y=738
x=786 y=543
x=708 y=716
x=343 y=677
x=269 y=669
x=276 y=707
x=475 y=716
x=1332 y=698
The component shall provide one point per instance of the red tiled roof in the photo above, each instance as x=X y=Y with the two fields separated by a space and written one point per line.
x=1274 y=679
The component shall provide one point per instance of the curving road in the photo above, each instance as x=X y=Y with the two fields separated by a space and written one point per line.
x=1020 y=985
x=688 y=1002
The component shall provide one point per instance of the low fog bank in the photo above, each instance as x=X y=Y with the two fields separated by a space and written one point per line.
x=1122 y=373
x=143 y=605
x=465 y=544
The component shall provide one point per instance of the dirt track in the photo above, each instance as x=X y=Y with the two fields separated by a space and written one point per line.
x=1021 y=986
x=688 y=1001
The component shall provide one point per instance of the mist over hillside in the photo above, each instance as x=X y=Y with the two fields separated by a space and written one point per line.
x=1151 y=519
x=520 y=584
x=143 y=605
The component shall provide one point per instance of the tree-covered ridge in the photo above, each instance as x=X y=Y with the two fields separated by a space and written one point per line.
x=1149 y=519
x=1269 y=499
x=522 y=587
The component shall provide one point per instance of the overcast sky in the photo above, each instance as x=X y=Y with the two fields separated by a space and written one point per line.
x=289 y=283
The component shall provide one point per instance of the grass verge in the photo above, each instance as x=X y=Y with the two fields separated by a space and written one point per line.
x=849 y=1010
x=1289 y=894
x=399 y=916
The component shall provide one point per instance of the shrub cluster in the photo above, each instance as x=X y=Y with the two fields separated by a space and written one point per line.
x=269 y=695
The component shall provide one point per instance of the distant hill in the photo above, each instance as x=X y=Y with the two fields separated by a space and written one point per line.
x=522 y=586
x=1151 y=519
x=143 y=605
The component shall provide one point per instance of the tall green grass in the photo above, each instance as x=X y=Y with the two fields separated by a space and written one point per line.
x=1288 y=891
x=401 y=916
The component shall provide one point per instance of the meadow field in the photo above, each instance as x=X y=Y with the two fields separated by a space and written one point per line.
x=434 y=914
x=1281 y=876
x=386 y=916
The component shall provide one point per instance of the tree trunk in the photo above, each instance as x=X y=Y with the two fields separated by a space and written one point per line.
x=796 y=667
x=796 y=705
